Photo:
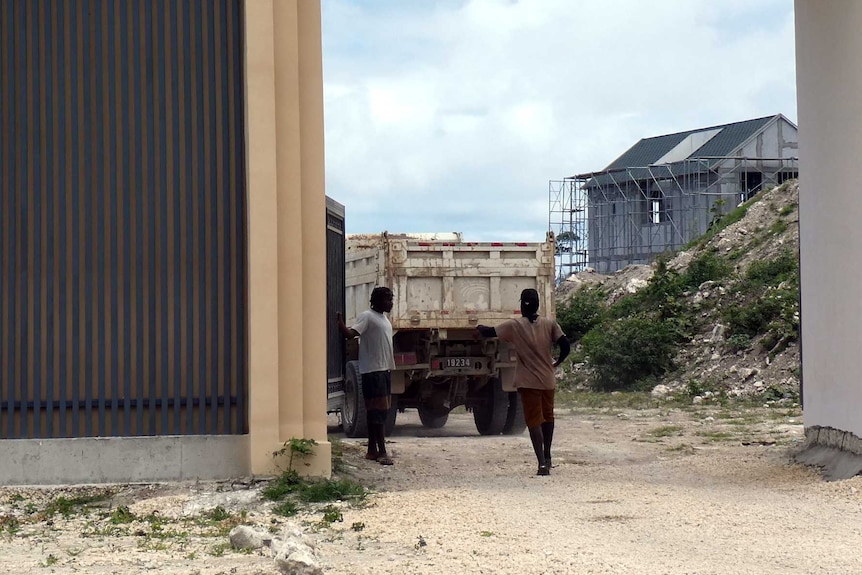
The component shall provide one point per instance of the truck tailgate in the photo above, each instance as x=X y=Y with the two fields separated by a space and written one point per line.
x=448 y=284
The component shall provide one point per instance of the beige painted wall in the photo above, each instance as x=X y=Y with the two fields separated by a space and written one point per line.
x=829 y=85
x=287 y=242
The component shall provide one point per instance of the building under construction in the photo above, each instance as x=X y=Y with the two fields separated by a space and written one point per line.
x=665 y=191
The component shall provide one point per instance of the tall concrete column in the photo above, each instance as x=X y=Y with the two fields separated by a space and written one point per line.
x=313 y=219
x=287 y=241
x=829 y=87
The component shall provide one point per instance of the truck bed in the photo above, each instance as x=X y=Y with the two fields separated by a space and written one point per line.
x=442 y=282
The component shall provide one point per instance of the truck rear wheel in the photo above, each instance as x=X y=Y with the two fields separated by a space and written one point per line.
x=491 y=413
x=353 y=416
x=433 y=418
x=515 y=424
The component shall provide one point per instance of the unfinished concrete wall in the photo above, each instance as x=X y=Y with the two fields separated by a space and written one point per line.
x=778 y=140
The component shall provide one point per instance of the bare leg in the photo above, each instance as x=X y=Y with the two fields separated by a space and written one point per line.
x=382 y=458
x=372 y=452
x=381 y=438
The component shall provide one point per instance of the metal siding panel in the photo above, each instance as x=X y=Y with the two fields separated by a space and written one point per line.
x=123 y=216
x=219 y=253
x=6 y=145
x=173 y=224
x=210 y=382
x=125 y=183
x=159 y=240
x=26 y=194
x=235 y=171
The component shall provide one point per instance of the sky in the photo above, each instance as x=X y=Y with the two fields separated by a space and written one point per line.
x=454 y=115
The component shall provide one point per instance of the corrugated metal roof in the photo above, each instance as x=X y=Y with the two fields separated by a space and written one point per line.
x=633 y=163
x=650 y=150
x=731 y=137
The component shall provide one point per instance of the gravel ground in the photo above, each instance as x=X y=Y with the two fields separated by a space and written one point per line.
x=632 y=492
x=703 y=490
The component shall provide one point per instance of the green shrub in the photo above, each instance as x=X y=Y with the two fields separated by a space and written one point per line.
x=775 y=312
x=772 y=272
x=788 y=209
x=720 y=222
x=287 y=482
x=584 y=310
x=661 y=295
x=753 y=318
x=624 y=352
x=706 y=267
x=778 y=227
x=122 y=515
x=331 y=490
x=286 y=508
x=739 y=342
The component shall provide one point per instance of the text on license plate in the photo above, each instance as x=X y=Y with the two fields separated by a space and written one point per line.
x=457 y=362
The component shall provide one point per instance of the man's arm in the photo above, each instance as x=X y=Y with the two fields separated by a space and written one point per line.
x=486 y=331
x=347 y=332
x=565 y=348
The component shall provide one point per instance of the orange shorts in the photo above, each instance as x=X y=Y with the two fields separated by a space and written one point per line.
x=538 y=405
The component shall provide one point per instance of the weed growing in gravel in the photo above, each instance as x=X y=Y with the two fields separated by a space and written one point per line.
x=331 y=514
x=286 y=483
x=296 y=448
x=95 y=529
x=331 y=490
x=49 y=561
x=67 y=506
x=681 y=448
x=290 y=490
x=217 y=522
x=715 y=435
x=286 y=508
x=122 y=515
x=218 y=550
x=665 y=431
x=9 y=524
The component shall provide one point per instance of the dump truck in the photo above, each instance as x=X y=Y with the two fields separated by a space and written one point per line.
x=443 y=288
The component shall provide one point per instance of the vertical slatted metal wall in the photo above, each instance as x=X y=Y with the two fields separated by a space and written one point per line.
x=122 y=218
x=334 y=295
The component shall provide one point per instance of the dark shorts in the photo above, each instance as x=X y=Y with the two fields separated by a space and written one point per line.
x=377 y=391
x=538 y=405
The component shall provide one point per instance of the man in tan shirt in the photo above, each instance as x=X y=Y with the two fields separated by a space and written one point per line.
x=533 y=338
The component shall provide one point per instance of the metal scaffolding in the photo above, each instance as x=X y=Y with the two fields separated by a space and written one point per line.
x=610 y=219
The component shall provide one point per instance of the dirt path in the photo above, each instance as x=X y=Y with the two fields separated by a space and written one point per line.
x=632 y=492
x=693 y=491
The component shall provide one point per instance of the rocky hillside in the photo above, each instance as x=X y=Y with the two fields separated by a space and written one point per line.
x=741 y=336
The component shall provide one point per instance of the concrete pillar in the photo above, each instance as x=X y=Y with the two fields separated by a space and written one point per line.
x=313 y=219
x=829 y=84
x=287 y=242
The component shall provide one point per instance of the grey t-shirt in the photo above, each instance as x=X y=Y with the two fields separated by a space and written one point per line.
x=375 y=342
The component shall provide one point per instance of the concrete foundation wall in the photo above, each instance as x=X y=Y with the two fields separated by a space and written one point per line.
x=123 y=459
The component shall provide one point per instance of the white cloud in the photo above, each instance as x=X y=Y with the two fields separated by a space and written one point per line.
x=455 y=114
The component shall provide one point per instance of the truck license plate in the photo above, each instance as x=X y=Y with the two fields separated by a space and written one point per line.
x=457 y=362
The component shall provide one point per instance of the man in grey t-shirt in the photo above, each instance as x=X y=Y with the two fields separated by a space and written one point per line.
x=376 y=360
